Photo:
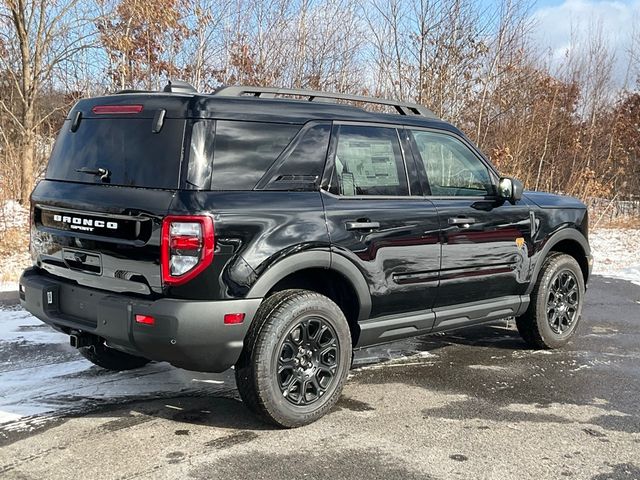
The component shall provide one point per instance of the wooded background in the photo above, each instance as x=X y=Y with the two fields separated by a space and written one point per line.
x=569 y=126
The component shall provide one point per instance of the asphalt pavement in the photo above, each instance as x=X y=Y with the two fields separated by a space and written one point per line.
x=470 y=404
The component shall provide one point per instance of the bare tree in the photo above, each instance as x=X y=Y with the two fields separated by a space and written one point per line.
x=42 y=36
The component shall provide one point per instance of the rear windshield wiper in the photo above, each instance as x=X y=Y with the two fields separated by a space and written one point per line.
x=102 y=172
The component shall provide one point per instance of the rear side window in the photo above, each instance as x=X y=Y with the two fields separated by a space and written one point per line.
x=369 y=161
x=127 y=148
x=243 y=151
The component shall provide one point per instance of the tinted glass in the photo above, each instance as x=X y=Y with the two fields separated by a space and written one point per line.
x=303 y=166
x=243 y=152
x=452 y=169
x=368 y=161
x=201 y=154
x=126 y=147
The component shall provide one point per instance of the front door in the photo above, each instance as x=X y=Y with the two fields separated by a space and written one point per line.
x=485 y=239
x=378 y=218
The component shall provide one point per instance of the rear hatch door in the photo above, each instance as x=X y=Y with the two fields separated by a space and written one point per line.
x=110 y=180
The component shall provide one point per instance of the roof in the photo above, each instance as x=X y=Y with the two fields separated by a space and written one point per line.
x=267 y=105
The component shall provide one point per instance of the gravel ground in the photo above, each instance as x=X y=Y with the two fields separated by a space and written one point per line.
x=471 y=404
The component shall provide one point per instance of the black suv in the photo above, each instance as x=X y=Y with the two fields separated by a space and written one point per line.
x=276 y=230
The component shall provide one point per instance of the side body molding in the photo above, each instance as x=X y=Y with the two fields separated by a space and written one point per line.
x=552 y=240
x=315 y=259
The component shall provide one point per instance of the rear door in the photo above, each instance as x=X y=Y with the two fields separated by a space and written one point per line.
x=485 y=239
x=111 y=178
x=379 y=220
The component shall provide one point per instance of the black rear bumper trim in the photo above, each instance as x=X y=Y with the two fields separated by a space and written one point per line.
x=188 y=334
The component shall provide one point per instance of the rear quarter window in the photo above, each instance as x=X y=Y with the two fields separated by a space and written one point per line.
x=234 y=155
x=300 y=168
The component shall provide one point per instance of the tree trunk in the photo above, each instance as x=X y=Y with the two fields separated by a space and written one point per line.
x=27 y=151
x=26 y=176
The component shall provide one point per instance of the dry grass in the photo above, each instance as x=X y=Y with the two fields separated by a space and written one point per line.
x=13 y=240
x=14 y=253
x=619 y=222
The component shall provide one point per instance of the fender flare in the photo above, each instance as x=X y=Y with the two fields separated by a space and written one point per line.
x=315 y=259
x=550 y=242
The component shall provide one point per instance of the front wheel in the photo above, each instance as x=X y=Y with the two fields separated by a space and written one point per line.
x=296 y=358
x=556 y=304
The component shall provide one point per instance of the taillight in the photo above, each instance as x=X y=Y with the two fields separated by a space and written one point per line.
x=116 y=109
x=187 y=247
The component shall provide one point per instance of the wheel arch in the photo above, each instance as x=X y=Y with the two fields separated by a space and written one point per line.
x=323 y=272
x=569 y=241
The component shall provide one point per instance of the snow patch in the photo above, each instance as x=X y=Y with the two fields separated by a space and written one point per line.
x=8 y=286
x=616 y=253
x=17 y=325
x=35 y=390
x=13 y=215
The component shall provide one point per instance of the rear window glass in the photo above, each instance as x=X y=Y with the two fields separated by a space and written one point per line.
x=234 y=155
x=127 y=148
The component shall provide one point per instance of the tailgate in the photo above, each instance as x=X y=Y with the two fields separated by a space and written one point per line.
x=101 y=236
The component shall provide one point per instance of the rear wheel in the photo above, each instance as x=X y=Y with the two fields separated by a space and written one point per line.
x=556 y=303
x=111 y=359
x=296 y=358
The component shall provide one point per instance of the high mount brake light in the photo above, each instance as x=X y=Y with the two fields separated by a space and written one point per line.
x=186 y=248
x=116 y=109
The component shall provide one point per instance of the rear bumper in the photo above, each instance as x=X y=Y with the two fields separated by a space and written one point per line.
x=188 y=334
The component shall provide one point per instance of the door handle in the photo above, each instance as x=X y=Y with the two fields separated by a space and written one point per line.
x=362 y=225
x=464 y=222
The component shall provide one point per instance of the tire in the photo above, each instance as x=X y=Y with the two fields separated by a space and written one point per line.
x=112 y=359
x=556 y=304
x=296 y=358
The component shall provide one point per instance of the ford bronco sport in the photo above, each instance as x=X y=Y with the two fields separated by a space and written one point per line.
x=276 y=230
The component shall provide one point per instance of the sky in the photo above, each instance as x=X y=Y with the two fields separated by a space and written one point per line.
x=557 y=21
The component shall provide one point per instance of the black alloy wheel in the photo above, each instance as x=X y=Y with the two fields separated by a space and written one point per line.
x=555 y=307
x=308 y=360
x=563 y=301
x=296 y=358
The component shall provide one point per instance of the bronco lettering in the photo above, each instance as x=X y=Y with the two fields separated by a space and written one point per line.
x=86 y=224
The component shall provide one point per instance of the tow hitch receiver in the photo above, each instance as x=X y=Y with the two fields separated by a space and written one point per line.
x=79 y=340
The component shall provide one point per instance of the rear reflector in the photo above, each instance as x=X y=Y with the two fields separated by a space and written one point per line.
x=185 y=242
x=233 y=318
x=116 y=109
x=145 y=319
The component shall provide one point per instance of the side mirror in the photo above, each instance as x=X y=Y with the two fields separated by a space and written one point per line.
x=510 y=189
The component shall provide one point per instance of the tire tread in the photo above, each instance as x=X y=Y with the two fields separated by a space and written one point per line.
x=252 y=373
x=527 y=323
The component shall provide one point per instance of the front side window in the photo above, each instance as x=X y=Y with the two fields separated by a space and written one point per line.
x=368 y=161
x=452 y=169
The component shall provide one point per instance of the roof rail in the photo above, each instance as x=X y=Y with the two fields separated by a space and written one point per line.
x=402 y=108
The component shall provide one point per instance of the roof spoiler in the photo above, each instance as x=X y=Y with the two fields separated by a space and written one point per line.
x=178 y=86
